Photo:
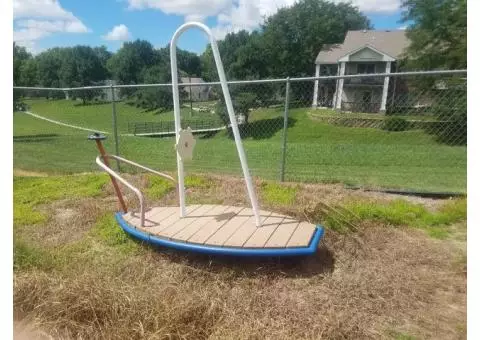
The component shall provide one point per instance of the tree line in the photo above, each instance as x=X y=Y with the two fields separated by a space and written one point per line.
x=286 y=44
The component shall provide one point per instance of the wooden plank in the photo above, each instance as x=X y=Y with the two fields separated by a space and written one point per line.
x=133 y=218
x=202 y=226
x=302 y=235
x=154 y=213
x=154 y=217
x=248 y=212
x=282 y=234
x=262 y=234
x=210 y=228
x=200 y=222
x=168 y=221
x=184 y=222
x=130 y=215
x=239 y=237
x=270 y=214
x=222 y=234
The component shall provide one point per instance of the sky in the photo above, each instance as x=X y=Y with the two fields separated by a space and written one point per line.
x=42 y=24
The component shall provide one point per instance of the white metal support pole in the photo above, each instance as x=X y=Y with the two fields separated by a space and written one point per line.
x=176 y=112
x=338 y=103
x=386 y=80
x=231 y=114
x=315 y=86
x=334 y=99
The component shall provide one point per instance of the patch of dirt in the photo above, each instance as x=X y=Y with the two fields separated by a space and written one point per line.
x=69 y=220
x=432 y=204
x=64 y=215
x=27 y=173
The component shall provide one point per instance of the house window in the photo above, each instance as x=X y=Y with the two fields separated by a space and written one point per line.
x=365 y=68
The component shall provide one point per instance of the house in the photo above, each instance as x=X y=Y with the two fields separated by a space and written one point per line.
x=198 y=92
x=362 y=52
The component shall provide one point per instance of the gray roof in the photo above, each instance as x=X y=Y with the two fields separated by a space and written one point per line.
x=391 y=43
x=196 y=91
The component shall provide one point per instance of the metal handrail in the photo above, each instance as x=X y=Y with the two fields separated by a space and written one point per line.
x=129 y=185
x=142 y=167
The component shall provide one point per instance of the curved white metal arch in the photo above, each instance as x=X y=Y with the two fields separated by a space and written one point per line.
x=228 y=101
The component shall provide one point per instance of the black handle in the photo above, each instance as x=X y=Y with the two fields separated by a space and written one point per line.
x=97 y=136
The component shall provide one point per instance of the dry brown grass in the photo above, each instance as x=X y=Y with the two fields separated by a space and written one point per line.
x=27 y=173
x=370 y=284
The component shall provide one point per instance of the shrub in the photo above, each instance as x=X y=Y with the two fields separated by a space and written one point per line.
x=452 y=112
x=242 y=103
x=395 y=124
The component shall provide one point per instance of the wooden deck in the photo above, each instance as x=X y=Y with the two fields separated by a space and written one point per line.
x=224 y=226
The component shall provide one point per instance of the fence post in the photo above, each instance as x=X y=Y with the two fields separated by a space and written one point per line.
x=191 y=106
x=114 y=120
x=285 y=126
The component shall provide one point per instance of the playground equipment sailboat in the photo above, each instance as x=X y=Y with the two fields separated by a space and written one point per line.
x=210 y=229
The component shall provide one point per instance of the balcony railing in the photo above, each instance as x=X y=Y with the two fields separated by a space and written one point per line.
x=364 y=81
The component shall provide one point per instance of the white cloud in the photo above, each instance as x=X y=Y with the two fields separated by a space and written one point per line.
x=43 y=26
x=246 y=15
x=376 y=6
x=118 y=33
x=403 y=27
x=39 y=8
x=37 y=19
x=191 y=9
x=235 y=15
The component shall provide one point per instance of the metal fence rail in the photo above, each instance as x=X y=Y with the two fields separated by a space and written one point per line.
x=349 y=129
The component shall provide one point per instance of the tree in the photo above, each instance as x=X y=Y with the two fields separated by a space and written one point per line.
x=28 y=73
x=89 y=68
x=251 y=59
x=20 y=56
x=287 y=42
x=76 y=66
x=131 y=59
x=189 y=63
x=158 y=97
x=67 y=73
x=228 y=49
x=294 y=35
x=28 y=77
x=438 y=34
x=451 y=112
x=49 y=64
x=103 y=55
x=438 y=40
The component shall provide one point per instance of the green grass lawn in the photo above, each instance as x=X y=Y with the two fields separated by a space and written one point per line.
x=100 y=116
x=316 y=151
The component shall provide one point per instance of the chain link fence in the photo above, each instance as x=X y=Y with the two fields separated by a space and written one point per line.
x=401 y=131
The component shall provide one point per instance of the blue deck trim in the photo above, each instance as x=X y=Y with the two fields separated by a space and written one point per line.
x=211 y=250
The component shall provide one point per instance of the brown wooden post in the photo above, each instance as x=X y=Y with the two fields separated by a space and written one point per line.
x=98 y=140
